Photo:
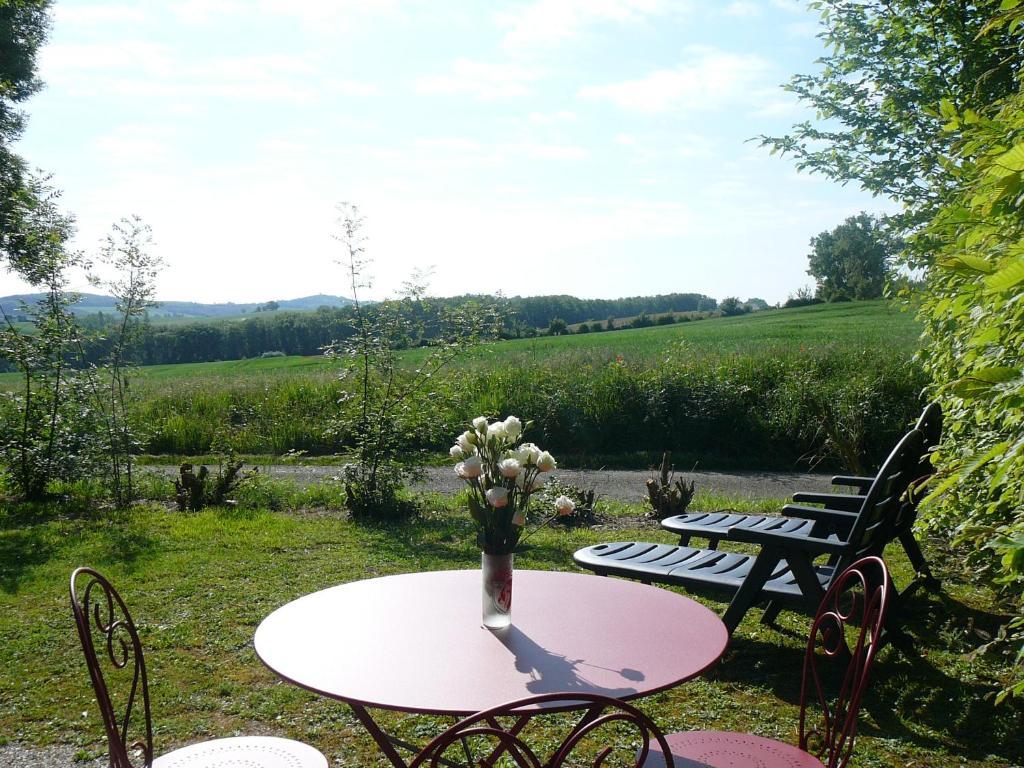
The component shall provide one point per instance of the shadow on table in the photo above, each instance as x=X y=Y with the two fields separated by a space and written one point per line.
x=553 y=672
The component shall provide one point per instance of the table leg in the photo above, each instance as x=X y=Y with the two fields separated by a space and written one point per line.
x=382 y=739
x=387 y=742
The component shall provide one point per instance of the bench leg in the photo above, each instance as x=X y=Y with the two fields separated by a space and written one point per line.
x=771 y=612
x=750 y=589
x=916 y=557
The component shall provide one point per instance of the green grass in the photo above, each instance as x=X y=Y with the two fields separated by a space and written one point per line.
x=200 y=583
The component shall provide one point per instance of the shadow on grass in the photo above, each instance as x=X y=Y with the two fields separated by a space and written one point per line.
x=122 y=542
x=20 y=552
x=954 y=714
x=39 y=538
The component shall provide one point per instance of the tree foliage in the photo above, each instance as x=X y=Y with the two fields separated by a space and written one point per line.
x=383 y=399
x=890 y=63
x=24 y=25
x=851 y=261
x=45 y=425
x=973 y=309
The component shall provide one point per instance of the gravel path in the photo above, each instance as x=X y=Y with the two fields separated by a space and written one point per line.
x=15 y=756
x=621 y=485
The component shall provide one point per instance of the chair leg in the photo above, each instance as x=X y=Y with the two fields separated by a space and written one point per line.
x=750 y=589
x=684 y=540
x=916 y=556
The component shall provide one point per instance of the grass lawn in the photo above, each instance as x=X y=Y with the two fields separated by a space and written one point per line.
x=200 y=583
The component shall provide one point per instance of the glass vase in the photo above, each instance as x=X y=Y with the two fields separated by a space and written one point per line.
x=497 y=589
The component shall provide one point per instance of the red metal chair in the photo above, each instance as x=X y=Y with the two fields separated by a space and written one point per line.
x=601 y=712
x=100 y=614
x=853 y=608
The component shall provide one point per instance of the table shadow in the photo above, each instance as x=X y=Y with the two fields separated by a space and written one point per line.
x=553 y=672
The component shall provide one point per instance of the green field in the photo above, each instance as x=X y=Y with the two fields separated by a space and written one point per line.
x=741 y=392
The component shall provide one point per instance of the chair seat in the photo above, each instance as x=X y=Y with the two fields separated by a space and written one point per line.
x=244 y=752
x=716 y=524
x=688 y=566
x=722 y=749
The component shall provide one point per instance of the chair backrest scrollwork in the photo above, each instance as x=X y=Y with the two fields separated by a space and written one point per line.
x=601 y=712
x=113 y=654
x=854 y=608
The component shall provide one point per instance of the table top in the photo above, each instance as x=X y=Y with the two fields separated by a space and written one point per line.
x=414 y=642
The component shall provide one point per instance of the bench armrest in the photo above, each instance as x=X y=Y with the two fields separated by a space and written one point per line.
x=822 y=514
x=847 y=502
x=856 y=481
x=788 y=541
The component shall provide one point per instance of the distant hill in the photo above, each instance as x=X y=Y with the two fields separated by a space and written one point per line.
x=91 y=303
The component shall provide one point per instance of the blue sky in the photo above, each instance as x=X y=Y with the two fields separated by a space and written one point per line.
x=590 y=147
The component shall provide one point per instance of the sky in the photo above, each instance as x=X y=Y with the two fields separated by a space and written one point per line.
x=599 y=148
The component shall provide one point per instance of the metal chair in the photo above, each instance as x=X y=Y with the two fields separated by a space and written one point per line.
x=497 y=739
x=100 y=614
x=854 y=608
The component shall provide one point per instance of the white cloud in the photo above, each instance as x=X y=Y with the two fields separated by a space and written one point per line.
x=548 y=151
x=103 y=13
x=744 y=9
x=549 y=118
x=500 y=152
x=546 y=22
x=136 y=144
x=696 y=145
x=794 y=6
x=710 y=79
x=481 y=79
x=140 y=68
x=323 y=15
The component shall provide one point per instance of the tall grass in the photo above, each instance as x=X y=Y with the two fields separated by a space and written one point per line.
x=760 y=391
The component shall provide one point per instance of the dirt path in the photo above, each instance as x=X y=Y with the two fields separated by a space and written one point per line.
x=621 y=485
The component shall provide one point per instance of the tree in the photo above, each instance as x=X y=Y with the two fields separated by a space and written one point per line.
x=890 y=65
x=133 y=286
x=557 y=327
x=44 y=427
x=24 y=25
x=973 y=345
x=385 y=401
x=730 y=306
x=851 y=261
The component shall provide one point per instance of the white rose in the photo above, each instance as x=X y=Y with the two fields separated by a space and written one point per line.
x=496 y=430
x=528 y=453
x=456 y=452
x=470 y=468
x=519 y=518
x=509 y=468
x=546 y=462
x=465 y=441
x=564 y=506
x=480 y=423
x=497 y=497
x=513 y=427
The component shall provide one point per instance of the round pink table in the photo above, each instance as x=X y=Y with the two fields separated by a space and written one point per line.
x=414 y=642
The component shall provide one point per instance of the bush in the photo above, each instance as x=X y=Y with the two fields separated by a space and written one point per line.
x=792 y=302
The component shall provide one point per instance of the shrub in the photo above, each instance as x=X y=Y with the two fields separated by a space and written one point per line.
x=667 y=494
